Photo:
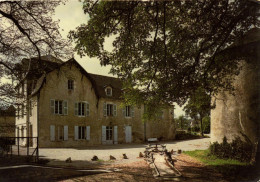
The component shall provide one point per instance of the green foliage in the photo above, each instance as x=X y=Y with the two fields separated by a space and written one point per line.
x=164 y=50
x=206 y=124
x=194 y=129
x=182 y=122
x=199 y=106
x=225 y=166
x=237 y=150
x=183 y=135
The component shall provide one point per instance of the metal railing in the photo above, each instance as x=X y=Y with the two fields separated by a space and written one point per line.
x=20 y=146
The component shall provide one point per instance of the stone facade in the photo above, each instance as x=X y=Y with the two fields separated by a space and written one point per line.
x=72 y=127
x=238 y=114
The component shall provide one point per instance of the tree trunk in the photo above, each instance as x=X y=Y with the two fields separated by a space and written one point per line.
x=201 y=128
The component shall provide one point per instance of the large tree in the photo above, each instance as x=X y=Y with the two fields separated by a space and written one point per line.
x=165 y=50
x=199 y=106
x=26 y=30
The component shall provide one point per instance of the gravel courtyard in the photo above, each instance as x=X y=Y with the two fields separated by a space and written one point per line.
x=104 y=151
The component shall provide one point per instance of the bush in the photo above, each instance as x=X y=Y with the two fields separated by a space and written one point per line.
x=237 y=150
x=5 y=144
x=186 y=136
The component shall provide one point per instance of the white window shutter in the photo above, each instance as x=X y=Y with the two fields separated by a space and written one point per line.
x=52 y=133
x=103 y=134
x=65 y=132
x=76 y=132
x=123 y=111
x=88 y=132
x=76 y=108
x=105 y=109
x=115 y=135
x=65 y=107
x=114 y=108
x=52 y=106
x=132 y=111
x=87 y=109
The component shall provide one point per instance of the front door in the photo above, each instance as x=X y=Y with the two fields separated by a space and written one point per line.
x=128 y=134
x=109 y=135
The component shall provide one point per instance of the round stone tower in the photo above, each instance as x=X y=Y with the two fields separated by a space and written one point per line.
x=237 y=114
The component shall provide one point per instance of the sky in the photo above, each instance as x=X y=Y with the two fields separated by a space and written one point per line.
x=71 y=16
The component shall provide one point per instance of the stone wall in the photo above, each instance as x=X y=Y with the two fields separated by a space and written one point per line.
x=55 y=87
x=238 y=114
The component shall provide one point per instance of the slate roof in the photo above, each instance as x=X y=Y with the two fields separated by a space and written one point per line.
x=99 y=82
x=103 y=81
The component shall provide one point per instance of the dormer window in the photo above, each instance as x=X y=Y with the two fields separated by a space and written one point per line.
x=71 y=84
x=108 y=91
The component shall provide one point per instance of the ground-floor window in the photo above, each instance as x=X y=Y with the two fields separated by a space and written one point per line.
x=109 y=133
x=58 y=133
x=82 y=132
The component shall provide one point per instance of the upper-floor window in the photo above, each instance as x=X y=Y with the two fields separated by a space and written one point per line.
x=59 y=107
x=82 y=109
x=128 y=111
x=109 y=109
x=108 y=91
x=71 y=84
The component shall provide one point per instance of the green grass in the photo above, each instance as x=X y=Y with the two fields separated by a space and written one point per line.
x=211 y=160
x=224 y=166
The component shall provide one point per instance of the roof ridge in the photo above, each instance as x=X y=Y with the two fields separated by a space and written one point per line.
x=103 y=75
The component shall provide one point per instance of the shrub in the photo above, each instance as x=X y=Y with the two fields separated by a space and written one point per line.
x=5 y=144
x=237 y=149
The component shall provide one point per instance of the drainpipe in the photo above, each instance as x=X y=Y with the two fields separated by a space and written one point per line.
x=37 y=118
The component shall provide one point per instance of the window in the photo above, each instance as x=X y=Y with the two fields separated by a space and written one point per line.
x=82 y=109
x=22 y=110
x=59 y=107
x=60 y=133
x=109 y=91
x=128 y=111
x=109 y=133
x=71 y=84
x=22 y=131
x=109 y=109
x=82 y=132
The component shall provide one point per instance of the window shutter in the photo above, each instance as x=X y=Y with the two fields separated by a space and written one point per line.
x=76 y=108
x=87 y=109
x=52 y=133
x=103 y=134
x=114 y=108
x=105 y=109
x=65 y=132
x=88 y=132
x=123 y=112
x=132 y=111
x=115 y=135
x=65 y=107
x=76 y=132
x=52 y=106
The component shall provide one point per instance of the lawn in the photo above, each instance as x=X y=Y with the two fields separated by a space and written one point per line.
x=211 y=160
x=228 y=167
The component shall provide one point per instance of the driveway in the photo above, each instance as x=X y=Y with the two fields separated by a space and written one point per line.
x=104 y=151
